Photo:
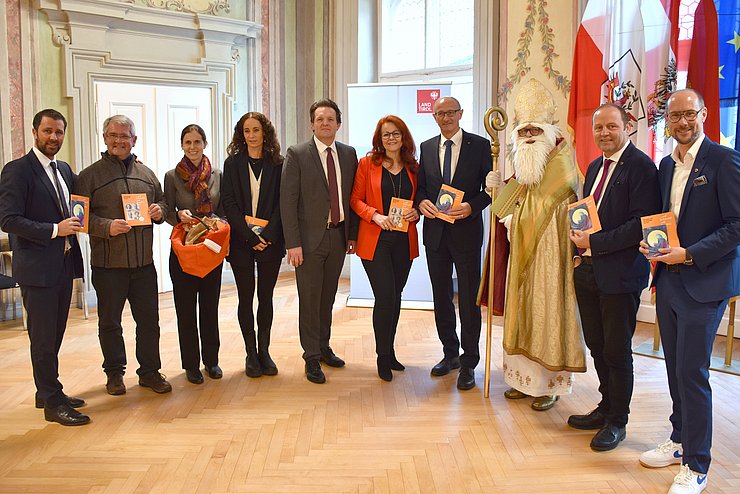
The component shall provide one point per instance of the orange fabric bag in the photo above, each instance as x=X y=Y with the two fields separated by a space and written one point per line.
x=199 y=259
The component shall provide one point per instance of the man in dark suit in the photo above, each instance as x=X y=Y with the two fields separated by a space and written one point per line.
x=699 y=183
x=34 y=210
x=320 y=228
x=462 y=160
x=612 y=273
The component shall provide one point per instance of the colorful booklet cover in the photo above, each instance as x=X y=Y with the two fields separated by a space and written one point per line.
x=448 y=199
x=397 y=209
x=136 y=209
x=659 y=232
x=583 y=216
x=257 y=225
x=80 y=207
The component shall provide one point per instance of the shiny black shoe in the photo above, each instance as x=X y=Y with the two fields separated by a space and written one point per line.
x=608 y=437
x=329 y=358
x=593 y=420
x=214 y=372
x=71 y=401
x=252 y=366
x=466 y=379
x=445 y=366
x=65 y=415
x=194 y=376
x=384 y=368
x=314 y=372
x=268 y=365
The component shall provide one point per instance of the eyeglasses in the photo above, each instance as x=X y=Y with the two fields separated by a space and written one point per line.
x=449 y=113
x=119 y=137
x=390 y=135
x=689 y=115
x=532 y=131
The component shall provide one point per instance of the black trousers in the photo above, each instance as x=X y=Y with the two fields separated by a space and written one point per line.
x=196 y=301
x=608 y=326
x=465 y=255
x=317 y=280
x=139 y=286
x=47 y=309
x=267 y=275
x=388 y=273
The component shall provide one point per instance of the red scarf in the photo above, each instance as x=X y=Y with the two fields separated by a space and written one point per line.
x=197 y=181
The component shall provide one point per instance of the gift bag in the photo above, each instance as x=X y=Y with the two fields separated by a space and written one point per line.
x=200 y=248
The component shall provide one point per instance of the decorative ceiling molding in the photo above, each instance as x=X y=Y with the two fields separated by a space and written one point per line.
x=210 y=7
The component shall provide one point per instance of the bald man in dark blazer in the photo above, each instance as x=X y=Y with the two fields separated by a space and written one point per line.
x=320 y=229
x=34 y=210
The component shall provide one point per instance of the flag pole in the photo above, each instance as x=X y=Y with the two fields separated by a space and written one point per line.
x=495 y=120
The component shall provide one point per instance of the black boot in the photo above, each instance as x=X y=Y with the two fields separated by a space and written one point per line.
x=253 y=367
x=268 y=365
x=384 y=368
x=395 y=364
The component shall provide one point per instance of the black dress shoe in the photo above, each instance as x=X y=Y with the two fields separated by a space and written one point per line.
x=314 y=372
x=591 y=421
x=65 y=415
x=445 y=366
x=329 y=358
x=608 y=437
x=466 y=379
x=252 y=366
x=268 y=365
x=71 y=401
x=214 y=372
x=194 y=376
x=395 y=364
x=384 y=368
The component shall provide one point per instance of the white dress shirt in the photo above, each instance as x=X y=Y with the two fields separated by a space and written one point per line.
x=456 y=141
x=681 y=174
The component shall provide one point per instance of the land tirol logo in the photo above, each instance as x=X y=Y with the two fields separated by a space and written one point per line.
x=425 y=99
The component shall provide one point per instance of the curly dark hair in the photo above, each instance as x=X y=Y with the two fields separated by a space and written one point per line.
x=408 y=148
x=270 y=146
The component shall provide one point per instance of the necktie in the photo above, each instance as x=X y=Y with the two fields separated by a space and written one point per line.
x=600 y=186
x=331 y=173
x=447 y=169
x=60 y=192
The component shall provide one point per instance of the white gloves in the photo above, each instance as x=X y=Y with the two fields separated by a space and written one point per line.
x=506 y=221
x=493 y=181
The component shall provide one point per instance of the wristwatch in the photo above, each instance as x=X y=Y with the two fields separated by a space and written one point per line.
x=689 y=261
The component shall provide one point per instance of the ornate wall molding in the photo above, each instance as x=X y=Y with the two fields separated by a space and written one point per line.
x=210 y=7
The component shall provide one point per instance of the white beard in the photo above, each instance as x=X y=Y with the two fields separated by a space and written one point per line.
x=530 y=160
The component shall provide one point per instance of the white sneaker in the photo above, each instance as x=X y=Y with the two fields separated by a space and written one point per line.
x=668 y=453
x=688 y=482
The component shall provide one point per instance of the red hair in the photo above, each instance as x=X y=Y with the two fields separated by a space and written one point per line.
x=408 y=148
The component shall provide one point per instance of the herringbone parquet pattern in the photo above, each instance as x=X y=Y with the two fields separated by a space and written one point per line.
x=355 y=434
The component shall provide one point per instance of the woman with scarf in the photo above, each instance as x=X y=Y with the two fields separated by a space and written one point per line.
x=192 y=190
x=251 y=200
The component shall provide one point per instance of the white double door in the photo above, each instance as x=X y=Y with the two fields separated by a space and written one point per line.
x=159 y=113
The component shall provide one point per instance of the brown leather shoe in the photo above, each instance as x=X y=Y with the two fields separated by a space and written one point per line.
x=156 y=382
x=542 y=403
x=115 y=385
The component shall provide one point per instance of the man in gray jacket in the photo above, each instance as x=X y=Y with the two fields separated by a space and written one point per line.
x=122 y=262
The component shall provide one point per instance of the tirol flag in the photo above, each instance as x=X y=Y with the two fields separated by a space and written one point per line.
x=607 y=67
x=728 y=15
x=703 y=70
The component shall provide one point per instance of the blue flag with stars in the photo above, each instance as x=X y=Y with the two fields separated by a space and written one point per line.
x=728 y=17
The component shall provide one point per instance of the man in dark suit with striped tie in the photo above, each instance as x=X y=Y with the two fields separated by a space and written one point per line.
x=34 y=210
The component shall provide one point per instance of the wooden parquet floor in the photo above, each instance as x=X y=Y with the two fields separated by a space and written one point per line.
x=355 y=434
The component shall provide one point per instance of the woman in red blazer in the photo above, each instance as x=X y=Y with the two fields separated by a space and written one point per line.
x=387 y=172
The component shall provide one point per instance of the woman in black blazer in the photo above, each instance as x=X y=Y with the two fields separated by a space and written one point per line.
x=251 y=187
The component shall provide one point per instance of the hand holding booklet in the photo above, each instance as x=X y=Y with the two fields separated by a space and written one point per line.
x=80 y=207
x=448 y=199
x=659 y=232
x=136 y=209
x=584 y=216
x=396 y=211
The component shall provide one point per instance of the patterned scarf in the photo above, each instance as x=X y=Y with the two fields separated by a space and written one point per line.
x=197 y=181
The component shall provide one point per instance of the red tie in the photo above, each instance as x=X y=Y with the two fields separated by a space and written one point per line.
x=331 y=173
x=600 y=187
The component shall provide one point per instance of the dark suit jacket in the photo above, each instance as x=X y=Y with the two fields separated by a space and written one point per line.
x=29 y=208
x=632 y=192
x=304 y=195
x=709 y=222
x=473 y=164
x=236 y=201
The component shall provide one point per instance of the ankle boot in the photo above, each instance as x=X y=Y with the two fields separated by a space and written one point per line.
x=395 y=364
x=384 y=368
x=252 y=364
x=268 y=365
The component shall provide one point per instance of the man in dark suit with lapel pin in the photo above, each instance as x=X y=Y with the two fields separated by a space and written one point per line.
x=34 y=210
x=320 y=228
x=700 y=184
x=612 y=273
x=462 y=160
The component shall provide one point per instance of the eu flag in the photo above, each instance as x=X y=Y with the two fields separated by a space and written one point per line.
x=728 y=16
